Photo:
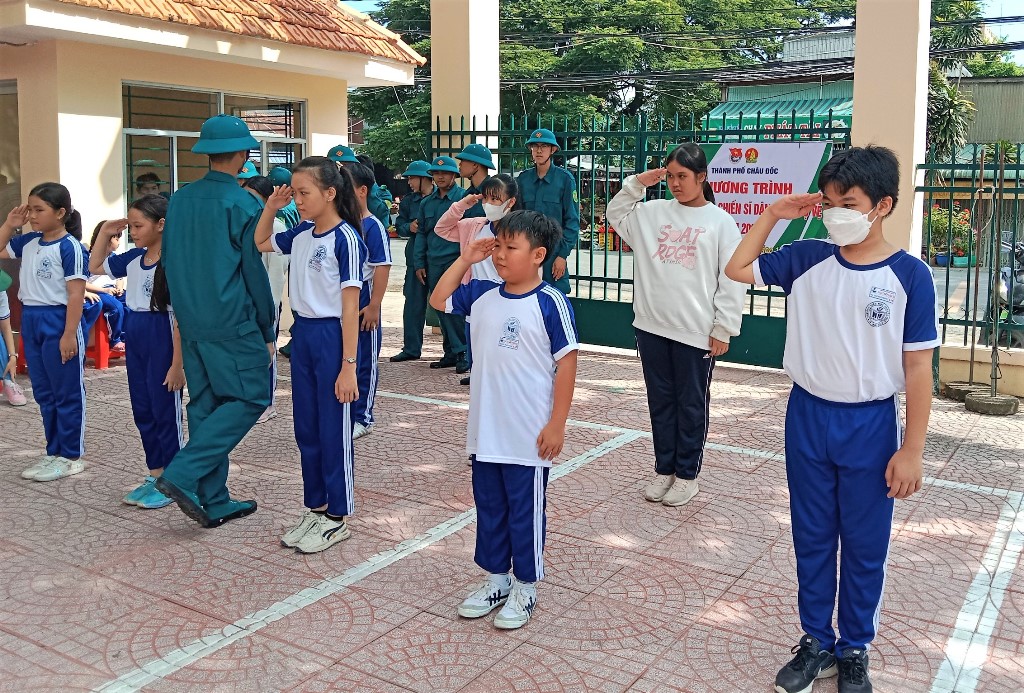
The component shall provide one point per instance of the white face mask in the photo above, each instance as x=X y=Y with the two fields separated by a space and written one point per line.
x=846 y=226
x=495 y=212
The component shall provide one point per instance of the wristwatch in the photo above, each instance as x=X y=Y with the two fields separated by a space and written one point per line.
x=351 y=359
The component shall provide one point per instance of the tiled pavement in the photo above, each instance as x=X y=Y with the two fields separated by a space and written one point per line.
x=96 y=595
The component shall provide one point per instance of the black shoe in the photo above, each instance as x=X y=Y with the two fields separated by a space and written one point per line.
x=462 y=365
x=810 y=663
x=445 y=362
x=187 y=502
x=286 y=350
x=232 y=510
x=464 y=381
x=403 y=356
x=853 y=672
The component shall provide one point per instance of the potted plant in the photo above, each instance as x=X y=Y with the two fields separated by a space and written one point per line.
x=951 y=234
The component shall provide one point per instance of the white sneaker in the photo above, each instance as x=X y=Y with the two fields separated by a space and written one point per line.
x=519 y=607
x=292 y=536
x=491 y=594
x=322 y=535
x=682 y=491
x=15 y=395
x=659 y=487
x=359 y=430
x=60 y=468
x=41 y=464
x=268 y=413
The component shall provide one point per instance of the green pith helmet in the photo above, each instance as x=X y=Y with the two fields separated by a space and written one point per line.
x=343 y=154
x=248 y=171
x=279 y=175
x=223 y=134
x=478 y=154
x=417 y=168
x=444 y=163
x=542 y=136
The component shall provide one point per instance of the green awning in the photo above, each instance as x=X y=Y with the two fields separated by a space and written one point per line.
x=784 y=114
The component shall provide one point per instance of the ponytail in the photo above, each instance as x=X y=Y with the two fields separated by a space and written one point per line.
x=329 y=174
x=58 y=197
x=73 y=224
x=690 y=155
x=709 y=194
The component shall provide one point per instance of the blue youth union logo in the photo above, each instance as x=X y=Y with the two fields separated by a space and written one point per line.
x=877 y=313
x=316 y=263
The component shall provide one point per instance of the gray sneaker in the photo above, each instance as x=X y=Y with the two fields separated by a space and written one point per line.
x=39 y=465
x=60 y=468
x=491 y=594
x=681 y=493
x=293 y=535
x=519 y=607
x=322 y=535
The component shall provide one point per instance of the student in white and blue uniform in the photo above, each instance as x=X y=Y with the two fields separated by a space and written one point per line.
x=327 y=256
x=525 y=339
x=54 y=267
x=862 y=327
x=154 y=362
x=376 y=271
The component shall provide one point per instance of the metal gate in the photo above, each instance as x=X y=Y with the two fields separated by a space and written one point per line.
x=600 y=155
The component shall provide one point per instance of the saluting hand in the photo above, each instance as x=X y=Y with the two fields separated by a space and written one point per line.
x=114 y=226
x=478 y=250
x=651 y=177
x=18 y=216
x=472 y=199
x=278 y=199
x=794 y=206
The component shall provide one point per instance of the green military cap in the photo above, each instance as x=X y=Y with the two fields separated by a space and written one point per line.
x=343 y=154
x=417 y=168
x=542 y=136
x=478 y=154
x=248 y=171
x=279 y=175
x=223 y=134
x=444 y=163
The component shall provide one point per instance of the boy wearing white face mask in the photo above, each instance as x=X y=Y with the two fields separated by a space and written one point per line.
x=862 y=328
x=498 y=196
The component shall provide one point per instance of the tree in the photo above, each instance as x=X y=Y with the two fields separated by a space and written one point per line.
x=544 y=43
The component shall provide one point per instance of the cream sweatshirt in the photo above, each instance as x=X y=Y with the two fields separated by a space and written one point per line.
x=680 y=290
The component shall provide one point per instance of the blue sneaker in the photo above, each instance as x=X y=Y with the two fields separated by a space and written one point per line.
x=153 y=499
x=138 y=493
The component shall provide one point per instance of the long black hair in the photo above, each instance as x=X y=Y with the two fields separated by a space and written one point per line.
x=154 y=208
x=328 y=174
x=261 y=185
x=508 y=187
x=690 y=155
x=58 y=197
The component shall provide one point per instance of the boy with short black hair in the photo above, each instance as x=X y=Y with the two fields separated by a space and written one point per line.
x=862 y=328
x=525 y=344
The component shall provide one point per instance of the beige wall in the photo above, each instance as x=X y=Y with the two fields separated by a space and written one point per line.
x=70 y=109
x=955 y=366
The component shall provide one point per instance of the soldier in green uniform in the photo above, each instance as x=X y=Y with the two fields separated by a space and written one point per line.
x=378 y=204
x=415 y=288
x=433 y=255
x=551 y=190
x=225 y=311
x=475 y=162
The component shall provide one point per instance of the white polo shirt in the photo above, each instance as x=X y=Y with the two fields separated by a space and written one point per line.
x=47 y=267
x=321 y=266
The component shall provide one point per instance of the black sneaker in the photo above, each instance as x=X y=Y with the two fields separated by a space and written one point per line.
x=445 y=362
x=853 y=672
x=809 y=664
x=462 y=365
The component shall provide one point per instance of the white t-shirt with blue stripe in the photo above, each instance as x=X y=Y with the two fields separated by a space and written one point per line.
x=378 y=254
x=321 y=266
x=848 y=325
x=517 y=341
x=132 y=264
x=46 y=267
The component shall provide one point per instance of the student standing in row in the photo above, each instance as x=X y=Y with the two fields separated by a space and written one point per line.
x=225 y=311
x=862 y=328
x=551 y=190
x=54 y=267
x=155 y=372
x=434 y=255
x=323 y=286
x=415 y=287
x=686 y=309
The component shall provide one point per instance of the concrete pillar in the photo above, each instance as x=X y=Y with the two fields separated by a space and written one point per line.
x=39 y=147
x=465 y=80
x=890 y=99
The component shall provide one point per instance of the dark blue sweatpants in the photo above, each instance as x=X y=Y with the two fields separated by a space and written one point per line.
x=367 y=374
x=157 y=412
x=113 y=310
x=510 y=518
x=323 y=425
x=58 y=388
x=836 y=456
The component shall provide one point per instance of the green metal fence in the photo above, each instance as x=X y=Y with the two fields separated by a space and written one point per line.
x=973 y=219
x=600 y=154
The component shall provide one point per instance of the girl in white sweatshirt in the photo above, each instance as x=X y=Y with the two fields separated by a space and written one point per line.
x=686 y=308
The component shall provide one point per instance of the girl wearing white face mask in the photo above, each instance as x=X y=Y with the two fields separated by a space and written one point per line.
x=498 y=195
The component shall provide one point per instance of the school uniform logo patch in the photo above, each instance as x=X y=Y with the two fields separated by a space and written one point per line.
x=45 y=270
x=147 y=287
x=316 y=263
x=510 y=336
x=880 y=294
x=877 y=313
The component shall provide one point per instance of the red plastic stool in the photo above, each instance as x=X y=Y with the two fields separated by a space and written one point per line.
x=97 y=349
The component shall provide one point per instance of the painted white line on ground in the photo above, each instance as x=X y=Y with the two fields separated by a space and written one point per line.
x=967 y=647
x=250 y=624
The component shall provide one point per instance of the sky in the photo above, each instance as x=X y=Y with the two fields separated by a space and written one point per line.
x=993 y=8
